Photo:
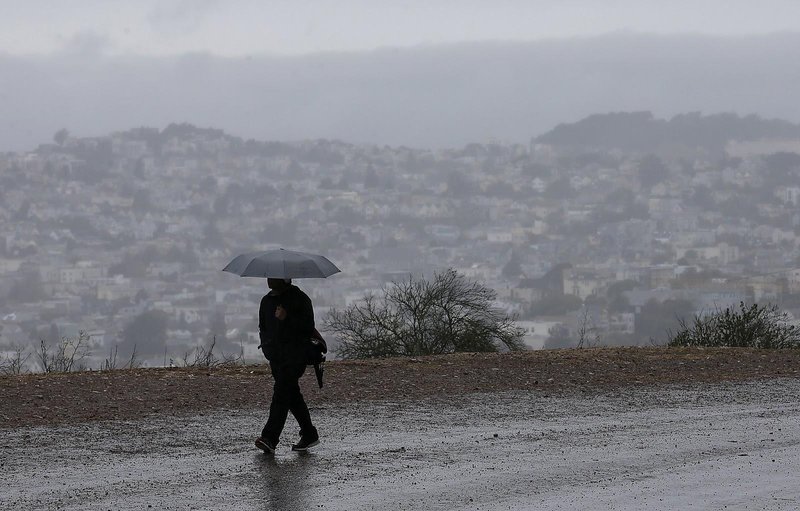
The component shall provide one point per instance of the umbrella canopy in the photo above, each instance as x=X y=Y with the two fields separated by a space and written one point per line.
x=281 y=264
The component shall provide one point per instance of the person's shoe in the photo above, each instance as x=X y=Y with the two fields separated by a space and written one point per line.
x=305 y=443
x=265 y=445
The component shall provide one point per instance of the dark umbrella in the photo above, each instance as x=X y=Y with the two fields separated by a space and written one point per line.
x=282 y=264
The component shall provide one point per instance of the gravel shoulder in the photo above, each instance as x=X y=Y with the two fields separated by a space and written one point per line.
x=54 y=399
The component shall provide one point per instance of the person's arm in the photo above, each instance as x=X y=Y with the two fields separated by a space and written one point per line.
x=263 y=310
x=261 y=324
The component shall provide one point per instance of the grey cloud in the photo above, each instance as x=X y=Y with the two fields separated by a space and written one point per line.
x=87 y=42
x=181 y=16
x=428 y=96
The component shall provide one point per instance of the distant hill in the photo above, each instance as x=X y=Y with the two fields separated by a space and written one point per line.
x=425 y=96
x=641 y=131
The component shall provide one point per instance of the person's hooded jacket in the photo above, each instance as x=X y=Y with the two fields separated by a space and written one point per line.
x=284 y=342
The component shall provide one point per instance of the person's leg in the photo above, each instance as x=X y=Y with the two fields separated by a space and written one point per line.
x=298 y=407
x=300 y=411
x=282 y=395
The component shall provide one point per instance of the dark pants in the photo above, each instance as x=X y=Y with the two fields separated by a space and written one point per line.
x=286 y=397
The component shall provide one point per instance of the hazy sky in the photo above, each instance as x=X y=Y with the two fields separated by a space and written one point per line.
x=291 y=27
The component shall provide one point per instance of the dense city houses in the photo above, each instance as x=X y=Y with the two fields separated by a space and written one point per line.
x=584 y=237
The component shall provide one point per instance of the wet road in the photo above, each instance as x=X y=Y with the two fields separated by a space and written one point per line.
x=672 y=447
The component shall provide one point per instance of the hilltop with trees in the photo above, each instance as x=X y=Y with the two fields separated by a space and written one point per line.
x=643 y=132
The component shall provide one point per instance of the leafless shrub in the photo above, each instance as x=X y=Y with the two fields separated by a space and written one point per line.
x=134 y=362
x=588 y=336
x=111 y=362
x=751 y=326
x=67 y=356
x=206 y=358
x=424 y=317
x=15 y=363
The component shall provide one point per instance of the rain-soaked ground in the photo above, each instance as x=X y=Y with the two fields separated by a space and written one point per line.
x=734 y=446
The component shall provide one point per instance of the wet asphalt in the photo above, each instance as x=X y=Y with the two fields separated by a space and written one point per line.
x=734 y=446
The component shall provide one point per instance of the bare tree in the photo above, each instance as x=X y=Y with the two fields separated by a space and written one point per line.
x=588 y=336
x=15 y=363
x=134 y=362
x=424 y=317
x=111 y=362
x=68 y=355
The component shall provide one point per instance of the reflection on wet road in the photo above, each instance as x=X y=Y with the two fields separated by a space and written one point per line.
x=647 y=448
x=282 y=482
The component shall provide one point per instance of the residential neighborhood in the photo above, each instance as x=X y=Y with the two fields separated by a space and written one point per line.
x=123 y=236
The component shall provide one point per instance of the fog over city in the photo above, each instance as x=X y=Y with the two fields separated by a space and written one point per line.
x=423 y=74
x=604 y=167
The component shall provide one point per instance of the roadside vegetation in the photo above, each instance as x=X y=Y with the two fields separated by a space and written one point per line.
x=750 y=326
x=418 y=316
x=70 y=354
x=15 y=362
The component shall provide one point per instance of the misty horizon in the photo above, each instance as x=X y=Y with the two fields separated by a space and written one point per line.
x=244 y=27
x=436 y=96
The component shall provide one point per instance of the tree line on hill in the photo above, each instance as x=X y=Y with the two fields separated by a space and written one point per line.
x=642 y=132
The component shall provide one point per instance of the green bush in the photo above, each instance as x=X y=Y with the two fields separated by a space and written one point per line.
x=749 y=327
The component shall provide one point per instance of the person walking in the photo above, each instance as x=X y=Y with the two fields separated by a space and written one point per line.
x=285 y=323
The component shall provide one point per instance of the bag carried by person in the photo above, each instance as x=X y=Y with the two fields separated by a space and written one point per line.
x=316 y=348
